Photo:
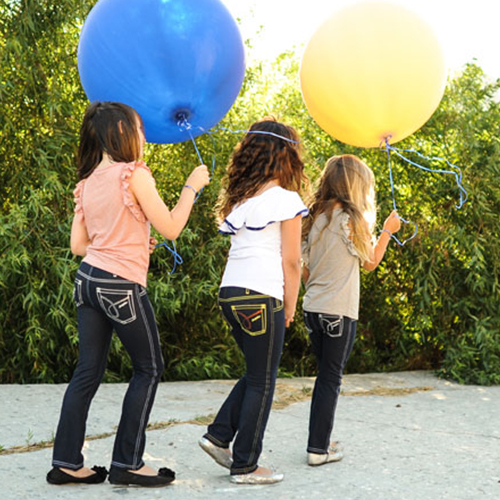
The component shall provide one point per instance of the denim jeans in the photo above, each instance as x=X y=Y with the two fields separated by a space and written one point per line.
x=106 y=302
x=258 y=325
x=332 y=338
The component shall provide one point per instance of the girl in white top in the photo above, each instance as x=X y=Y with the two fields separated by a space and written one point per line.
x=261 y=210
x=337 y=238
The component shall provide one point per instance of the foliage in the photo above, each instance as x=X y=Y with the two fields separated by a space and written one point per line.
x=439 y=294
x=42 y=103
x=431 y=304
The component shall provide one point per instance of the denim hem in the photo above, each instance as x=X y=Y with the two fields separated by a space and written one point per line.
x=119 y=465
x=65 y=465
x=317 y=451
x=244 y=470
x=215 y=441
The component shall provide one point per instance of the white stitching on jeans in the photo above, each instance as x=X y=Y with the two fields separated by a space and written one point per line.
x=78 y=292
x=103 y=280
x=122 y=299
x=266 y=390
x=67 y=465
x=150 y=389
x=329 y=325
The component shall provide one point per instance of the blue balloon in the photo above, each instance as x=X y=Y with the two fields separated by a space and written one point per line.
x=168 y=59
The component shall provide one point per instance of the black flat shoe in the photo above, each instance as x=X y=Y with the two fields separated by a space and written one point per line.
x=57 y=476
x=124 y=477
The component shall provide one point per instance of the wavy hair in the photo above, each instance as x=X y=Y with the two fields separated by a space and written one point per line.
x=108 y=127
x=350 y=182
x=259 y=158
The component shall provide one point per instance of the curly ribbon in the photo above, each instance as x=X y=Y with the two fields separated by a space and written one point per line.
x=457 y=173
x=173 y=250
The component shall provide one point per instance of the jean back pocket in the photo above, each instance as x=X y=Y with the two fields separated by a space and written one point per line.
x=332 y=324
x=252 y=318
x=117 y=304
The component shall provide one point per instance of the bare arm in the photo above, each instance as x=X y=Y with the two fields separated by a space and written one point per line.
x=79 y=240
x=290 y=252
x=169 y=223
x=391 y=224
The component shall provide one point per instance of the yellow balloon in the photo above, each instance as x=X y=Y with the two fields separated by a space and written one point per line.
x=372 y=71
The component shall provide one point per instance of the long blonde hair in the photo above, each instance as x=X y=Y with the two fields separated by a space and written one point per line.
x=348 y=181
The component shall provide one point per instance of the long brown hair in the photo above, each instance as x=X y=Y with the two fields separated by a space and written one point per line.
x=348 y=181
x=108 y=127
x=259 y=158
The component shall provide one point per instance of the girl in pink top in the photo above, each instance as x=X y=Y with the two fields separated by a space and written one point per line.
x=116 y=201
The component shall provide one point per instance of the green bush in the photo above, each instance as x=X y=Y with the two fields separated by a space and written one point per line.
x=432 y=304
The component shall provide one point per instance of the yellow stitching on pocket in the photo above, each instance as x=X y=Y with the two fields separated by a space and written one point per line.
x=278 y=305
x=243 y=297
x=252 y=318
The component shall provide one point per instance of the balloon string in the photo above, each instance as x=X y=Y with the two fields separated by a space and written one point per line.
x=390 y=173
x=185 y=125
x=173 y=250
x=457 y=173
x=262 y=132
x=393 y=236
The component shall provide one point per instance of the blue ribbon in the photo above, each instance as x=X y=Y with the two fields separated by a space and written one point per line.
x=183 y=124
x=263 y=132
x=457 y=173
x=173 y=250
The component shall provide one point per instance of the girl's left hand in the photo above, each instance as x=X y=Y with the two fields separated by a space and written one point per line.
x=152 y=244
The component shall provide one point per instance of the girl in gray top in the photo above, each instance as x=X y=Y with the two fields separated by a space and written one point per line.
x=337 y=239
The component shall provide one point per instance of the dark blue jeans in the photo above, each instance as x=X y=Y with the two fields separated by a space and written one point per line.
x=106 y=302
x=258 y=325
x=332 y=338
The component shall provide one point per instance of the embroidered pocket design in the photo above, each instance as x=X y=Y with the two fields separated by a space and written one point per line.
x=117 y=304
x=251 y=318
x=332 y=325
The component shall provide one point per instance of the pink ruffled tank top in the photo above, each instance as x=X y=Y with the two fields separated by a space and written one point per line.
x=116 y=225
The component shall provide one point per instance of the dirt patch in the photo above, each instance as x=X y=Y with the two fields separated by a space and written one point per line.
x=388 y=391
x=284 y=396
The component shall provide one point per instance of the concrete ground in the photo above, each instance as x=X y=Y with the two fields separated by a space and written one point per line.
x=406 y=436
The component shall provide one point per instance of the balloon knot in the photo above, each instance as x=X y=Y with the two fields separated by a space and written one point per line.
x=181 y=117
x=385 y=142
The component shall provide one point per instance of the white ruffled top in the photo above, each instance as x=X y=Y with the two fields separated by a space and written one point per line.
x=254 y=260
